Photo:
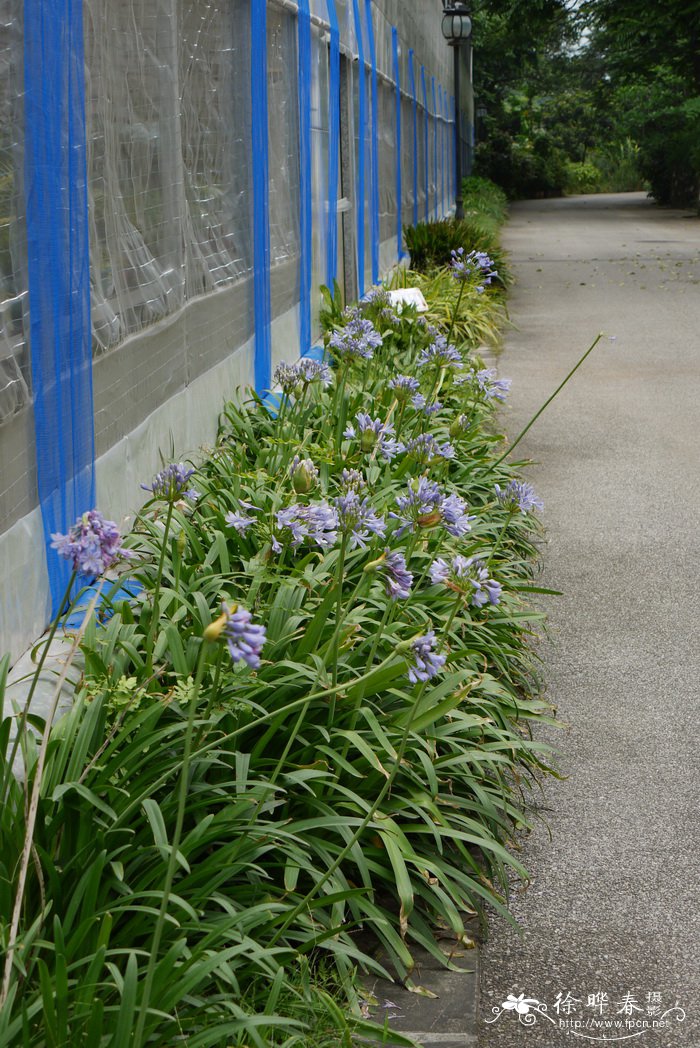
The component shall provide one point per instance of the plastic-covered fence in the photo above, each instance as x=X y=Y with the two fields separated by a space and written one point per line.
x=177 y=179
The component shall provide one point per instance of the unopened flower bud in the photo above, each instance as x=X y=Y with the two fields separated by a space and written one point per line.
x=304 y=475
x=459 y=426
x=368 y=439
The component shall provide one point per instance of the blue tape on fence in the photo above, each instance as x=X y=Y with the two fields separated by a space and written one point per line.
x=333 y=146
x=426 y=146
x=399 y=202
x=305 y=230
x=58 y=263
x=441 y=103
x=435 y=143
x=414 y=101
x=362 y=139
x=375 y=144
x=261 y=191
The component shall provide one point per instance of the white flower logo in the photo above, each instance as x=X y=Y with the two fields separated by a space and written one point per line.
x=521 y=1004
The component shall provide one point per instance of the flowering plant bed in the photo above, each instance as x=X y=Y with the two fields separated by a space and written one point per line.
x=315 y=719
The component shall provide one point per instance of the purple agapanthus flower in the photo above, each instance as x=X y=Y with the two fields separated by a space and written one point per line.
x=240 y=521
x=357 y=519
x=352 y=480
x=374 y=435
x=425 y=448
x=171 y=483
x=440 y=354
x=357 y=340
x=404 y=386
x=317 y=522
x=420 y=403
x=92 y=545
x=427 y=662
x=420 y=505
x=464 y=265
x=396 y=576
x=455 y=515
x=244 y=638
x=467 y=575
x=376 y=296
x=493 y=388
x=518 y=495
x=293 y=378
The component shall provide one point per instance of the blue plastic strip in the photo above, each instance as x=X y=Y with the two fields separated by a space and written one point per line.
x=400 y=253
x=441 y=102
x=58 y=262
x=333 y=147
x=375 y=144
x=435 y=143
x=305 y=213
x=414 y=100
x=261 y=190
x=426 y=146
x=362 y=139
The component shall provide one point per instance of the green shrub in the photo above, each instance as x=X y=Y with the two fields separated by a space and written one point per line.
x=484 y=198
x=582 y=177
x=206 y=850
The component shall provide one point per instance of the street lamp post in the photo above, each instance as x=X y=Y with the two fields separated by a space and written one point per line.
x=456 y=28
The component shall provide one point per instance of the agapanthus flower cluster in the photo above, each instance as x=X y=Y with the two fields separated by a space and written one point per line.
x=396 y=577
x=425 y=449
x=492 y=387
x=357 y=519
x=240 y=519
x=420 y=403
x=304 y=475
x=352 y=480
x=467 y=575
x=427 y=662
x=92 y=545
x=317 y=522
x=404 y=386
x=357 y=340
x=244 y=638
x=172 y=483
x=294 y=378
x=420 y=506
x=376 y=296
x=455 y=516
x=464 y=265
x=518 y=495
x=374 y=435
x=439 y=354
x=459 y=426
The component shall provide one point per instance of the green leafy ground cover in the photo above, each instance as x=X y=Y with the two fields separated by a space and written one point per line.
x=214 y=826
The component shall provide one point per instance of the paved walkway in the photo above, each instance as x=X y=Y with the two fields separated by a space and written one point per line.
x=614 y=905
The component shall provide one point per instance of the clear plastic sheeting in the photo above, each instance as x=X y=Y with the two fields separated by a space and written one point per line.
x=168 y=156
x=14 y=361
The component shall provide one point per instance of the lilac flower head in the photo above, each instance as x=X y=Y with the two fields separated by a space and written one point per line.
x=293 y=378
x=244 y=638
x=518 y=495
x=376 y=296
x=440 y=354
x=425 y=448
x=374 y=435
x=403 y=386
x=357 y=340
x=317 y=522
x=467 y=575
x=304 y=475
x=419 y=507
x=476 y=262
x=171 y=483
x=421 y=404
x=240 y=521
x=357 y=519
x=492 y=388
x=397 y=578
x=92 y=545
x=427 y=662
x=455 y=516
x=352 y=480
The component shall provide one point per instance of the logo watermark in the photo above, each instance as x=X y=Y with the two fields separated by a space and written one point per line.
x=596 y=1016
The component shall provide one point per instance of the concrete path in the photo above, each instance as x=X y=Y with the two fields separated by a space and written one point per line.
x=614 y=905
